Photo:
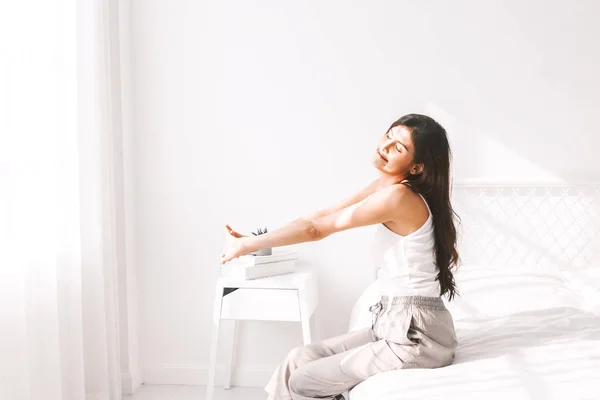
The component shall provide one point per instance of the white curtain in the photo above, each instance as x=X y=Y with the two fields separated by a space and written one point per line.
x=60 y=141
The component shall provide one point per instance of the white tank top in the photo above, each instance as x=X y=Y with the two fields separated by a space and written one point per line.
x=406 y=264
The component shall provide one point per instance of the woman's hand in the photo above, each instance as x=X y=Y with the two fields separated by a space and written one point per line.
x=234 y=233
x=236 y=246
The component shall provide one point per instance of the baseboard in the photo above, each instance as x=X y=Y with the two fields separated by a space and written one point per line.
x=130 y=382
x=249 y=376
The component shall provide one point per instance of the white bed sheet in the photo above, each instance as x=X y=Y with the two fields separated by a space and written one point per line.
x=530 y=337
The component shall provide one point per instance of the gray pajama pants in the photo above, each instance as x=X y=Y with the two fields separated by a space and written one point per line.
x=407 y=332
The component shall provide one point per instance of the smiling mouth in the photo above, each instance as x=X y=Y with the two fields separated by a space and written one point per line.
x=381 y=155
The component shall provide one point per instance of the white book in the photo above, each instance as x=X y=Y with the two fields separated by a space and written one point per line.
x=259 y=260
x=245 y=272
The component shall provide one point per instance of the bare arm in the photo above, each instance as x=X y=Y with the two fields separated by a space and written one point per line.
x=352 y=199
x=299 y=230
x=383 y=206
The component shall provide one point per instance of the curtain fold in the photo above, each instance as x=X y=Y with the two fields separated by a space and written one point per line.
x=59 y=133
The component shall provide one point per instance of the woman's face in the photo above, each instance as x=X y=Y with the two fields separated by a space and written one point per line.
x=395 y=151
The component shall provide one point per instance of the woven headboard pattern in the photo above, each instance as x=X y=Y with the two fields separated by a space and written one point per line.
x=534 y=226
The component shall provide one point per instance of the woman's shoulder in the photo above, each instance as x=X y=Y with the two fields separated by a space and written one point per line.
x=398 y=190
x=398 y=196
x=408 y=200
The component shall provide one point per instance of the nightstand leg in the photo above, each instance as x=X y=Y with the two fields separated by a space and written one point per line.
x=231 y=343
x=304 y=317
x=210 y=384
x=306 y=336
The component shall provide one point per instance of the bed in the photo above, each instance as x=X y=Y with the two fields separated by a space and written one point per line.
x=528 y=315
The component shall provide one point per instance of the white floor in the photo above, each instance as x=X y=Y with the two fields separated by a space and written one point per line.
x=180 y=392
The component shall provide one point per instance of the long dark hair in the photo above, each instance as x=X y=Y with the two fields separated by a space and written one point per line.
x=433 y=151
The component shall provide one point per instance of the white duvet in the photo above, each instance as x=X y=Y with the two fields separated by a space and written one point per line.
x=522 y=335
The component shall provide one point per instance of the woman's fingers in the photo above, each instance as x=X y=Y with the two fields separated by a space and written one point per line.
x=227 y=258
x=234 y=247
x=232 y=232
x=224 y=259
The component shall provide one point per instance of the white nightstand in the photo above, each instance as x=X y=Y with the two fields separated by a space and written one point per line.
x=289 y=297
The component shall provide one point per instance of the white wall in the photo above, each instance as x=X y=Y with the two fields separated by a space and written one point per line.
x=253 y=113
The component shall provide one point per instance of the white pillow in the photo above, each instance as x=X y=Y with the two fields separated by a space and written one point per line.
x=496 y=292
x=586 y=282
x=491 y=292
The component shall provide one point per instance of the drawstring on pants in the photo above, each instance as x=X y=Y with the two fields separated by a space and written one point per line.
x=376 y=310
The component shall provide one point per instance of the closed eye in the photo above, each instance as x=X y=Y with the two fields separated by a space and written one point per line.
x=398 y=147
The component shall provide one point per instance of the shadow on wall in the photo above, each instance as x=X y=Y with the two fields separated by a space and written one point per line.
x=533 y=153
x=520 y=106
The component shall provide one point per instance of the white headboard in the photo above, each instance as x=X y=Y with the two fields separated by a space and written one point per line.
x=537 y=226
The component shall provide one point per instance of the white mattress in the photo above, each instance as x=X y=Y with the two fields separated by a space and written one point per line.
x=521 y=336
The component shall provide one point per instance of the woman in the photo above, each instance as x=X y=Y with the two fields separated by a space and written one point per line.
x=415 y=250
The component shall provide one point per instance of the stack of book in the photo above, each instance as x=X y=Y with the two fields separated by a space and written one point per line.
x=252 y=267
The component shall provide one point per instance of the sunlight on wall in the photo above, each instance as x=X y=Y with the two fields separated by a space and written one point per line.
x=479 y=158
x=500 y=164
